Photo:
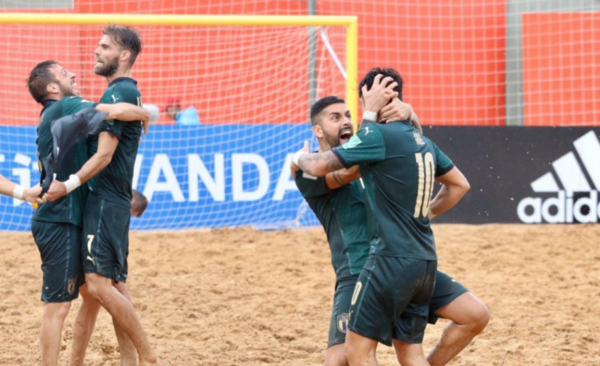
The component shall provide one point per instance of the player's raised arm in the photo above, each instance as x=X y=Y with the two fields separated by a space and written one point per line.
x=317 y=164
x=397 y=110
x=126 y=112
x=9 y=188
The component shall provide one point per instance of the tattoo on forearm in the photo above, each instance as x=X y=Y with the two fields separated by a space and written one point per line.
x=338 y=178
x=332 y=162
x=327 y=160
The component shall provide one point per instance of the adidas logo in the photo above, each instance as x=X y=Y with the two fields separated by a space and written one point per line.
x=577 y=195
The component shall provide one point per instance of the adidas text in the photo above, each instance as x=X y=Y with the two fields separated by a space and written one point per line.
x=561 y=209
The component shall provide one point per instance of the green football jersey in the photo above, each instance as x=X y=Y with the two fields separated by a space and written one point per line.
x=342 y=213
x=69 y=208
x=398 y=165
x=114 y=182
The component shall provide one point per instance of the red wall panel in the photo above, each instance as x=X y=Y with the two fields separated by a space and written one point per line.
x=560 y=60
x=449 y=53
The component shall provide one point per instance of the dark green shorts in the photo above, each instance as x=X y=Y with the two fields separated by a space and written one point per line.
x=339 y=315
x=446 y=290
x=60 y=248
x=391 y=299
x=105 y=238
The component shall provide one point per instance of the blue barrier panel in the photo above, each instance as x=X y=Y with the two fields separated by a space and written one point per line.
x=194 y=176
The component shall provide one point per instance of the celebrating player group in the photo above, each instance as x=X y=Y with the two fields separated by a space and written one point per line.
x=81 y=225
x=387 y=286
x=371 y=191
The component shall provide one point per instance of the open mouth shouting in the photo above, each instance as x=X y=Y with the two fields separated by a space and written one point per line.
x=346 y=133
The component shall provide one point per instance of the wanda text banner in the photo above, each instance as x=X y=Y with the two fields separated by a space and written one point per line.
x=237 y=175
x=193 y=176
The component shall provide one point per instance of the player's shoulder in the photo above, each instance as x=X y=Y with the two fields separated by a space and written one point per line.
x=125 y=85
x=369 y=127
x=430 y=143
x=73 y=100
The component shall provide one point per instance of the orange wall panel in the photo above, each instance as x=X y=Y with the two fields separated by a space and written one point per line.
x=449 y=53
x=560 y=79
x=25 y=46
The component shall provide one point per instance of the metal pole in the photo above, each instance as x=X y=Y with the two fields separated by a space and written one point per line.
x=312 y=58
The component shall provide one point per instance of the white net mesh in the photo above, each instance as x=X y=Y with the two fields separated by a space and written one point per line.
x=248 y=87
x=467 y=62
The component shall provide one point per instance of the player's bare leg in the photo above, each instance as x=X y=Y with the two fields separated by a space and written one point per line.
x=410 y=354
x=360 y=350
x=123 y=314
x=53 y=320
x=336 y=356
x=468 y=316
x=83 y=327
x=126 y=347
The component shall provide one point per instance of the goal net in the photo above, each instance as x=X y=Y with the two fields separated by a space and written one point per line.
x=244 y=92
x=464 y=63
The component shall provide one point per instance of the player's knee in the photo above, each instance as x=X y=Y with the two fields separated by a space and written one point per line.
x=96 y=289
x=480 y=317
x=409 y=354
x=357 y=351
x=336 y=356
x=58 y=310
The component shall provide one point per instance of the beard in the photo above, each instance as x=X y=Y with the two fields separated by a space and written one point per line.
x=109 y=68
x=67 y=91
x=332 y=141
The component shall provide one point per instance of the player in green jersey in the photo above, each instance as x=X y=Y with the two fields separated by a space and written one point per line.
x=56 y=226
x=398 y=165
x=343 y=214
x=108 y=206
x=9 y=188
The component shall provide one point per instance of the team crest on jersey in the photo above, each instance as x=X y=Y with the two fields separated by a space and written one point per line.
x=71 y=285
x=353 y=142
x=342 y=322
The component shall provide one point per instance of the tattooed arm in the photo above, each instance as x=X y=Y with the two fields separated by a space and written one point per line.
x=319 y=164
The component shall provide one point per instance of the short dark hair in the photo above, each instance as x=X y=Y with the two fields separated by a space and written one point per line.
x=127 y=38
x=141 y=202
x=39 y=78
x=321 y=104
x=387 y=71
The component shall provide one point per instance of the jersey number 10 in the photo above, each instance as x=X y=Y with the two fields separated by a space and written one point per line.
x=426 y=167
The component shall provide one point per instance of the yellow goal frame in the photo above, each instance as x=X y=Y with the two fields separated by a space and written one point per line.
x=350 y=22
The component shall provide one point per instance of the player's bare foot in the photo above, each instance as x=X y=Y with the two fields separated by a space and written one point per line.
x=148 y=363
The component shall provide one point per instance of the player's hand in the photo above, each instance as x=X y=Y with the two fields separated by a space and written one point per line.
x=33 y=195
x=293 y=169
x=294 y=165
x=146 y=123
x=56 y=191
x=380 y=93
x=395 y=111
